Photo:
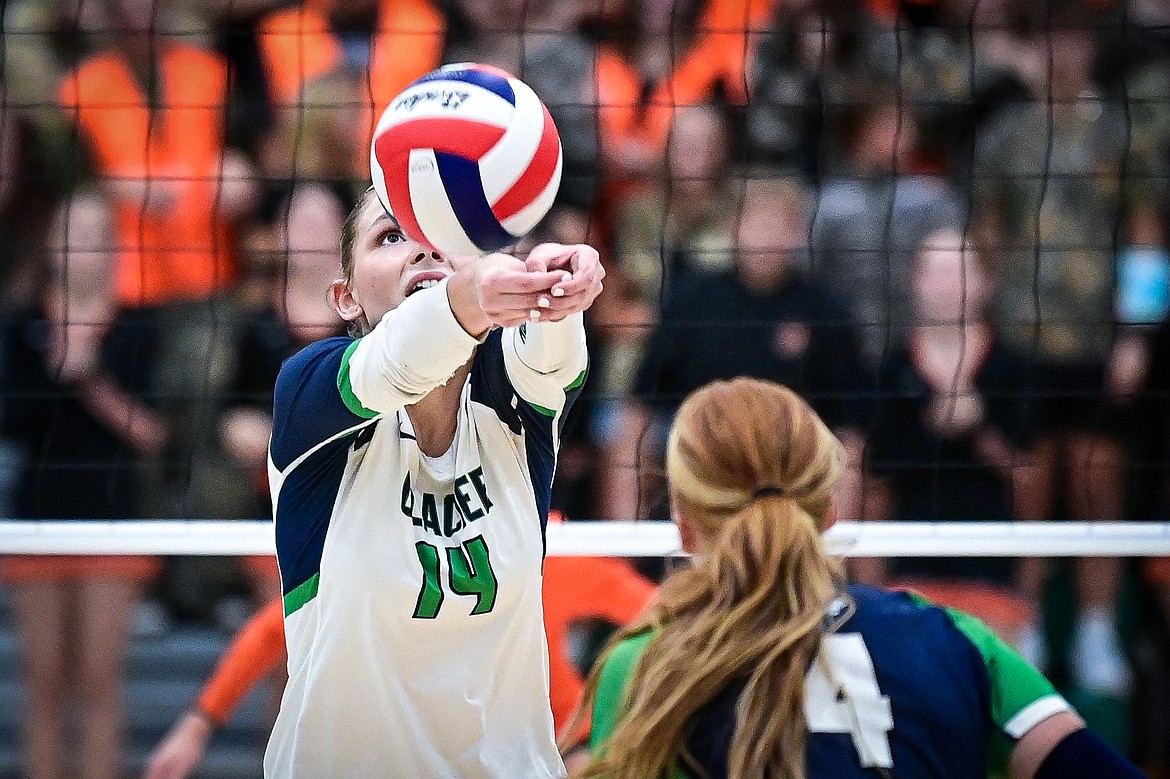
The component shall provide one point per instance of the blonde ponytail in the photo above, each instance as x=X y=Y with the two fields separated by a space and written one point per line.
x=756 y=489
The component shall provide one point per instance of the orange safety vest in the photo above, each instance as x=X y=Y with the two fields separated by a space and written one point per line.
x=718 y=57
x=297 y=45
x=184 y=253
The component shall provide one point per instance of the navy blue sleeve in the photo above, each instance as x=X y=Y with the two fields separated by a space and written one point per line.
x=307 y=404
x=1081 y=755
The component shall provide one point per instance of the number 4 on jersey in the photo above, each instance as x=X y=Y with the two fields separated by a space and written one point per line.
x=469 y=573
x=841 y=695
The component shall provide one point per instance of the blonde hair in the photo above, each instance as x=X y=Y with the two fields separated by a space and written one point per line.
x=751 y=468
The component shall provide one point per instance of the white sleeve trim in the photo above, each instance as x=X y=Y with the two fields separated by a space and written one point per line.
x=1034 y=713
x=551 y=346
x=415 y=348
x=546 y=359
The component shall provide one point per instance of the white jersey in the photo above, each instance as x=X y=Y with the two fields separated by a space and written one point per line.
x=412 y=585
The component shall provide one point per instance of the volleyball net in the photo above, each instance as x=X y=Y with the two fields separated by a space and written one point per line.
x=619 y=538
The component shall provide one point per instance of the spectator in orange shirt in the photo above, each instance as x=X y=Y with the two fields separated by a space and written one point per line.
x=150 y=110
x=652 y=59
x=332 y=67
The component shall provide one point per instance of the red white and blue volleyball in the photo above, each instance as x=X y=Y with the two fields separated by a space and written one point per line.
x=467 y=159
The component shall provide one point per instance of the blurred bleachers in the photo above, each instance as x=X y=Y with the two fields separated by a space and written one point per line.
x=163 y=674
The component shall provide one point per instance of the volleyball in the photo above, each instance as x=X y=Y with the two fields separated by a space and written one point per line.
x=467 y=159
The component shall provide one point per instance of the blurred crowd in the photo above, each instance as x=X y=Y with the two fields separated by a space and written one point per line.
x=944 y=222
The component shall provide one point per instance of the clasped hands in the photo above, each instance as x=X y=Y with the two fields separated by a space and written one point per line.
x=551 y=283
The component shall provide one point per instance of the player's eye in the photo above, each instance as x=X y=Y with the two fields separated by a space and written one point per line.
x=390 y=235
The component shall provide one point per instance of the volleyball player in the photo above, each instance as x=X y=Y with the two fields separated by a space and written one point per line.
x=757 y=662
x=411 y=470
x=575 y=590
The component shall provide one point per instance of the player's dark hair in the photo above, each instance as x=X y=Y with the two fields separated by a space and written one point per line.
x=349 y=235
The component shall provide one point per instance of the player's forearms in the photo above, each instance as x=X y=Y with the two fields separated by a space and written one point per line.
x=551 y=347
x=463 y=298
x=415 y=348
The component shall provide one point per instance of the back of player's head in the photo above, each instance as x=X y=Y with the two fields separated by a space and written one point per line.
x=750 y=468
x=745 y=440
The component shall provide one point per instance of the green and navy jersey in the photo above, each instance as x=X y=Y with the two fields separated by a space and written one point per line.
x=902 y=685
x=412 y=584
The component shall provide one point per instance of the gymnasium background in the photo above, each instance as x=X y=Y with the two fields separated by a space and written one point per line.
x=943 y=221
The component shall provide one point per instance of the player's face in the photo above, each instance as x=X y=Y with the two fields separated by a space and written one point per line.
x=388 y=267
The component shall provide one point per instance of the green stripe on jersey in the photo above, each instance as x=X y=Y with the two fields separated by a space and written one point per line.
x=1015 y=685
x=548 y=412
x=301 y=594
x=351 y=402
x=552 y=413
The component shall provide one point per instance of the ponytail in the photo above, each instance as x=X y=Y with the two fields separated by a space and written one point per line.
x=752 y=605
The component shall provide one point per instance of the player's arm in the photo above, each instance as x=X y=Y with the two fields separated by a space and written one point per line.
x=1061 y=747
x=181 y=750
x=546 y=357
x=421 y=343
x=415 y=348
x=253 y=654
x=546 y=362
x=1050 y=739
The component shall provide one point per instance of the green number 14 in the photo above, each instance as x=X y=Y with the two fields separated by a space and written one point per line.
x=469 y=572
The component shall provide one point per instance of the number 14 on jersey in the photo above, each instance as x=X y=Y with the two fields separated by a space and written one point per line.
x=469 y=572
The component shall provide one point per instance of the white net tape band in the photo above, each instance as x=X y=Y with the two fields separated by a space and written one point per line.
x=620 y=539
